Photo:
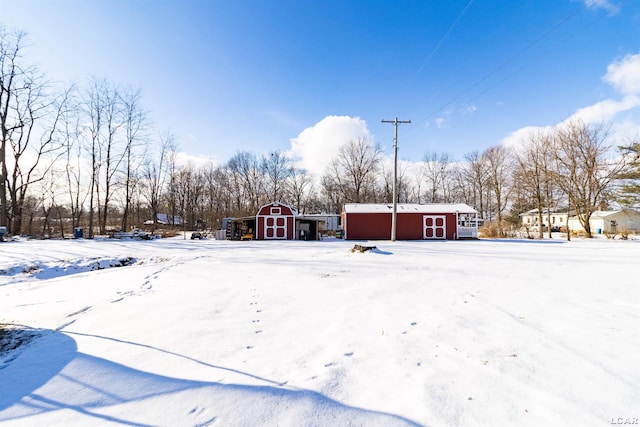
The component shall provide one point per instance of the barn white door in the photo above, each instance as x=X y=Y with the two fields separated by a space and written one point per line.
x=275 y=227
x=434 y=227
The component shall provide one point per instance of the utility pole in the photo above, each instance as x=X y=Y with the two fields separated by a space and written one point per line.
x=394 y=215
x=568 y=214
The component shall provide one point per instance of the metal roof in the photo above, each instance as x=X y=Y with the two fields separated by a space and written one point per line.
x=408 y=208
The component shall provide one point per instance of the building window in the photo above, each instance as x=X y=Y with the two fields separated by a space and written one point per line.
x=276 y=211
x=467 y=220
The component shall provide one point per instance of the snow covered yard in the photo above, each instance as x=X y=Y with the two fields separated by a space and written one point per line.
x=204 y=333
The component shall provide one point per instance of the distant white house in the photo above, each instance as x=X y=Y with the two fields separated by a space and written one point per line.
x=530 y=218
x=604 y=222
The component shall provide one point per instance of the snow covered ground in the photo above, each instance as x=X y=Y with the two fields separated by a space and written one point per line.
x=208 y=333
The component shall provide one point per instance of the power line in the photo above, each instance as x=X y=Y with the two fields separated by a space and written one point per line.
x=446 y=35
x=520 y=53
x=522 y=67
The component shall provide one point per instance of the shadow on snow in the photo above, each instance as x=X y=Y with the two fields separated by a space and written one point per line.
x=50 y=375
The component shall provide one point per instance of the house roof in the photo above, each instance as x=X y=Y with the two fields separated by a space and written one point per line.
x=545 y=212
x=408 y=208
x=604 y=214
x=278 y=204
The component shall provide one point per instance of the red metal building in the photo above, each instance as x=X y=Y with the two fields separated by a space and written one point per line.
x=413 y=221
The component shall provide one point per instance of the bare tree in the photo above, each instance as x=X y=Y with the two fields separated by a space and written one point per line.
x=216 y=195
x=47 y=204
x=246 y=169
x=299 y=188
x=172 y=191
x=93 y=107
x=354 y=172
x=499 y=173
x=534 y=175
x=135 y=125
x=629 y=192
x=13 y=83
x=188 y=187
x=29 y=118
x=584 y=167
x=105 y=113
x=435 y=170
x=35 y=147
x=155 y=172
x=11 y=86
x=113 y=156
x=276 y=168
x=473 y=181
x=71 y=131
x=404 y=191
x=331 y=197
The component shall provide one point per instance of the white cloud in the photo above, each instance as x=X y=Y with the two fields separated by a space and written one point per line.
x=606 y=110
x=602 y=4
x=519 y=137
x=624 y=75
x=315 y=147
x=627 y=130
x=185 y=159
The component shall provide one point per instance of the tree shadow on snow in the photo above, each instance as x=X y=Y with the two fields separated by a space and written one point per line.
x=50 y=378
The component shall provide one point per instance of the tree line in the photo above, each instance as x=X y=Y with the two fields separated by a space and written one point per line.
x=89 y=156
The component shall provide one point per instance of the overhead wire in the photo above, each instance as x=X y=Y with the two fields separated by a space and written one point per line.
x=442 y=40
x=522 y=67
x=509 y=60
x=512 y=58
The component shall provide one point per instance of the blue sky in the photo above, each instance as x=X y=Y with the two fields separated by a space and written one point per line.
x=305 y=76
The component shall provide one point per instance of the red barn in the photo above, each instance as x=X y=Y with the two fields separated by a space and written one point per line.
x=275 y=221
x=413 y=222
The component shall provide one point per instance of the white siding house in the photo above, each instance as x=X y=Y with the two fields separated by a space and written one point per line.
x=529 y=219
x=622 y=220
